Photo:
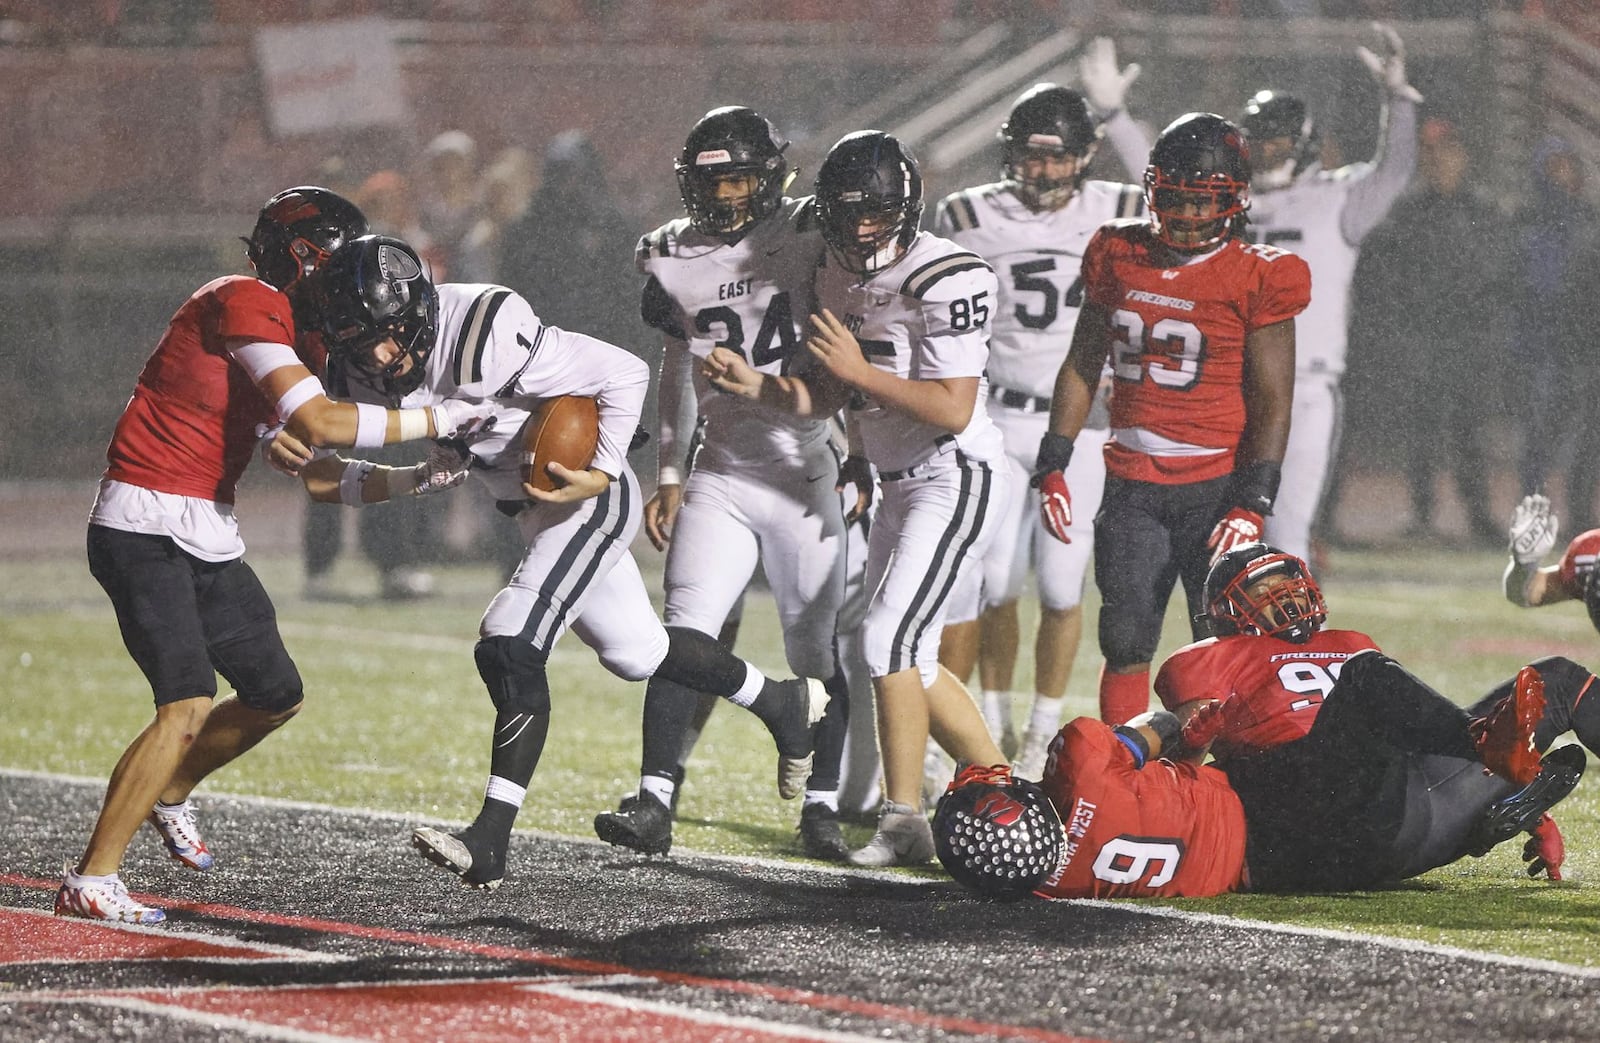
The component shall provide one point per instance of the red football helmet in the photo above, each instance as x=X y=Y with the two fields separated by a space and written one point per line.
x=1291 y=608
x=297 y=230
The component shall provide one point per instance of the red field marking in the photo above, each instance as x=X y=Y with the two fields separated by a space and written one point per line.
x=776 y=993
x=31 y=936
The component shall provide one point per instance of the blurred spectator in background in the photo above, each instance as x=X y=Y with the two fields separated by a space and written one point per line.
x=508 y=186
x=1554 y=257
x=571 y=254
x=448 y=196
x=402 y=540
x=1429 y=296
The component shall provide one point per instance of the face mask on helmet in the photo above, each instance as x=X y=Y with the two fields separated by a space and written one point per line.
x=731 y=172
x=371 y=290
x=1198 y=182
x=996 y=834
x=1257 y=589
x=869 y=200
x=1282 y=136
x=296 y=232
x=1046 y=143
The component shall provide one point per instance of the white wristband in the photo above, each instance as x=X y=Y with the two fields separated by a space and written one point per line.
x=403 y=481
x=352 y=479
x=372 y=426
x=668 y=476
x=413 y=424
x=304 y=391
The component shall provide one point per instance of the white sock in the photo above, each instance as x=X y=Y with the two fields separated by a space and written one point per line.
x=827 y=798
x=658 y=787
x=1046 y=718
x=754 y=681
x=505 y=791
x=77 y=879
x=997 y=711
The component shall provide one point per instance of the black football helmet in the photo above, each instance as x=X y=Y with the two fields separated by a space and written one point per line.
x=1275 y=114
x=373 y=288
x=1200 y=159
x=869 y=176
x=1591 y=596
x=297 y=230
x=1051 y=120
x=731 y=140
x=997 y=834
x=1292 y=610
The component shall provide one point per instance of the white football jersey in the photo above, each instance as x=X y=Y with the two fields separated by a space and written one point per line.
x=753 y=296
x=492 y=346
x=1037 y=258
x=1323 y=215
x=924 y=317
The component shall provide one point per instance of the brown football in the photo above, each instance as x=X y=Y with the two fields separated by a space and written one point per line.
x=564 y=429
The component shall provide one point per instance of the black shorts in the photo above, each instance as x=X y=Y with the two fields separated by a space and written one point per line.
x=185 y=620
x=1147 y=536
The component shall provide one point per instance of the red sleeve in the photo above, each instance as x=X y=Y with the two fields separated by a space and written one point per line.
x=254 y=311
x=1283 y=291
x=1099 y=282
x=1086 y=749
x=1190 y=674
x=1579 y=561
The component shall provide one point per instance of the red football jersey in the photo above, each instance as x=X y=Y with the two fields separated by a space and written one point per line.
x=1165 y=830
x=1178 y=345
x=190 y=427
x=1271 y=689
x=1579 y=561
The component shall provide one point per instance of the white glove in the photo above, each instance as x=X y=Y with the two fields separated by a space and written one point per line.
x=1104 y=84
x=445 y=468
x=1533 y=530
x=459 y=418
x=1389 y=71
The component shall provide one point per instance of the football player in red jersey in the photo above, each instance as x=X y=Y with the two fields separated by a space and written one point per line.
x=1316 y=725
x=1198 y=325
x=164 y=543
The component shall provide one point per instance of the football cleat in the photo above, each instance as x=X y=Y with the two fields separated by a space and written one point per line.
x=482 y=869
x=797 y=734
x=102 y=898
x=643 y=824
x=678 y=774
x=820 y=836
x=1523 y=811
x=175 y=823
x=903 y=838
x=1504 y=737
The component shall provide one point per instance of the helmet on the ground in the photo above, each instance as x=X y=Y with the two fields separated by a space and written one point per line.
x=732 y=140
x=1276 y=114
x=373 y=288
x=1292 y=608
x=869 y=176
x=296 y=232
x=1200 y=159
x=1048 y=120
x=996 y=834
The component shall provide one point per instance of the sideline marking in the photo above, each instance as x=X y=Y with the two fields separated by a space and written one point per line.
x=34 y=936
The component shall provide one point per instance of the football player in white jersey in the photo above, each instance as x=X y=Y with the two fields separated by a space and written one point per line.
x=1323 y=215
x=1032 y=226
x=392 y=336
x=736 y=274
x=901 y=331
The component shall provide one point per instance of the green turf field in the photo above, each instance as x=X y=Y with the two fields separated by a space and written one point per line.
x=397 y=720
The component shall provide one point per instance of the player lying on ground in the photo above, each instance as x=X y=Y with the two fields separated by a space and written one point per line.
x=383 y=321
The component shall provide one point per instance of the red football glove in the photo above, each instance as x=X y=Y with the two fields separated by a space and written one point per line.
x=1238 y=527
x=1202 y=726
x=1055 y=505
x=1545 y=850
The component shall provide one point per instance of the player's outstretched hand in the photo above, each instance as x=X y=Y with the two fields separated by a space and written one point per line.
x=574 y=485
x=1105 y=85
x=1055 y=505
x=660 y=511
x=1389 y=69
x=282 y=451
x=856 y=471
x=445 y=468
x=1533 y=529
x=458 y=418
x=1238 y=527
x=837 y=348
x=1545 y=850
x=728 y=371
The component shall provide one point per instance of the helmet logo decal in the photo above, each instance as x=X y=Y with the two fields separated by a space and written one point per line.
x=711 y=157
x=1046 y=141
x=998 y=807
x=394 y=263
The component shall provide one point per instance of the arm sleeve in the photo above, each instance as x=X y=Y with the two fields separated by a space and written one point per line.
x=566 y=363
x=675 y=410
x=1131 y=142
x=1375 y=190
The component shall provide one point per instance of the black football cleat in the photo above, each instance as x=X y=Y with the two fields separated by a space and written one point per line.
x=795 y=733
x=478 y=864
x=643 y=824
x=820 y=836
x=1558 y=776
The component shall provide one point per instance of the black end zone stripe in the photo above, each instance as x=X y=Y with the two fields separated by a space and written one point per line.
x=925 y=278
x=474 y=335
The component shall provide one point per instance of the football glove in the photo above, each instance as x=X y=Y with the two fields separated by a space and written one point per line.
x=1389 y=70
x=1055 y=505
x=460 y=420
x=1545 y=850
x=445 y=468
x=1104 y=84
x=1533 y=530
x=1203 y=726
x=1238 y=527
